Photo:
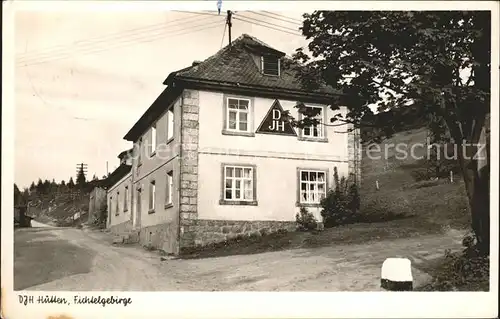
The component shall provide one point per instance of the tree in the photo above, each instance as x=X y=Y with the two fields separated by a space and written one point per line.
x=32 y=187
x=46 y=186
x=71 y=184
x=80 y=178
x=39 y=186
x=434 y=64
x=63 y=183
x=17 y=195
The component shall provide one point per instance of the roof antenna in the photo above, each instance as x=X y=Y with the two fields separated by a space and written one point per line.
x=229 y=24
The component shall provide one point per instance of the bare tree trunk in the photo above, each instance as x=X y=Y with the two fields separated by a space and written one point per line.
x=481 y=197
x=474 y=166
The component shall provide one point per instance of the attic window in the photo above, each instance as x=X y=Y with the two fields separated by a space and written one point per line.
x=270 y=65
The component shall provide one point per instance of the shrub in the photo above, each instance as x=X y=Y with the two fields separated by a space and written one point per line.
x=305 y=220
x=464 y=271
x=341 y=205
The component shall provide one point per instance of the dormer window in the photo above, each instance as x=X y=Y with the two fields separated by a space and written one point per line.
x=270 y=65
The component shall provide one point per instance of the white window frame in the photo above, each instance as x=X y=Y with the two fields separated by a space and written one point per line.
x=170 y=186
x=125 y=199
x=170 y=124
x=152 y=196
x=153 y=140
x=139 y=156
x=308 y=186
x=320 y=126
x=242 y=180
x=110 y=207
x=238 y=111
x=117 y=203
x=262 y=66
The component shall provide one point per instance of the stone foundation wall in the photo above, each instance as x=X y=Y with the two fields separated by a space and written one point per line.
x=162 y=236
x=121 y=229
x=203 y=232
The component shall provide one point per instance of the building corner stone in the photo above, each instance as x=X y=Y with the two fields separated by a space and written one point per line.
x=188 y=207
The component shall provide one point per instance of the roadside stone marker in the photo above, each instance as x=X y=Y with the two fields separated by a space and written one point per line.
x=396 y=274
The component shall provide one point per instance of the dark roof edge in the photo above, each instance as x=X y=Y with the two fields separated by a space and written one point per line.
x=169 y=95
x=261 y=91
x=117 y=175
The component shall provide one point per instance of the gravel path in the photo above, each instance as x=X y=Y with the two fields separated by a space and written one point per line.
x=338 y=268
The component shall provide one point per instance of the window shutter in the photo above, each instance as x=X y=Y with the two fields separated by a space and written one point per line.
x=270 y=65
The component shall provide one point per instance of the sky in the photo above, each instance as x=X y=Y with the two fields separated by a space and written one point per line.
x=82 y=79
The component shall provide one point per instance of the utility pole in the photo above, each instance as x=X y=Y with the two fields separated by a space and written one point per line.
x=229 y=23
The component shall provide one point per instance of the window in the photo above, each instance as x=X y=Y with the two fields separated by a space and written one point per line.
x=125 y=199
x=110 y=206
x=153 y=139
x=314 y=130
x=312 y=186
x=270 y=65
x=238 y=183
x=152 y=196
x=237 y=115
x=139 y=151
x=117 y=203
x=169 y=188
x=170 y=124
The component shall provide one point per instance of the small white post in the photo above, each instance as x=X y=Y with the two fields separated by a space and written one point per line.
x=396 y=275
x=376 y=185
x=451 y=176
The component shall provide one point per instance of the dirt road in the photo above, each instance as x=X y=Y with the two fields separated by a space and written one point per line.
x=339 y=268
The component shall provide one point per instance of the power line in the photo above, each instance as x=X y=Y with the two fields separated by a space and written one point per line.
x=262 y=25
x=262 y=21
x=97 y=45
x=223 y=34
x=198 y=12
x=92 y=46
x=276 y=18
x=282 y=16
x=126 y=42
x=151 y=27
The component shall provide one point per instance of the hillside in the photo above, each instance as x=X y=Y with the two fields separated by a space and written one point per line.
x=67 y=208
x=436 y=202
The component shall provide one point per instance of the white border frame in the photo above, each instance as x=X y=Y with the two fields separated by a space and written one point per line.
x=231 y=304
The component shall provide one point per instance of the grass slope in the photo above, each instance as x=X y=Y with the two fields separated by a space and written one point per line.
x=439 y=203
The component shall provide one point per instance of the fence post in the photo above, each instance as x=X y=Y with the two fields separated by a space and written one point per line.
x=376 y=185
x=451 y=176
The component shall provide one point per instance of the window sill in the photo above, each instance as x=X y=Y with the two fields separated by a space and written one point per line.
x=169 y=140
x=238 y=202
x=125 y=210
x=169 y=205
x=139 y=165
x=151 y=211
x=314 y=139
x=307 y=204
x=117 y=214
x=152 y=154
x=236 y=133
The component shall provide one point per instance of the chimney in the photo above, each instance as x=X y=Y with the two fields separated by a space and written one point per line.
x=196 y=62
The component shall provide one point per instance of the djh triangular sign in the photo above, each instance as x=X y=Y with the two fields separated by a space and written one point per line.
x=275 y=122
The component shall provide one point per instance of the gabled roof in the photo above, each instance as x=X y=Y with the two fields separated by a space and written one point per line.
x=234 y=69
x=235 y=64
